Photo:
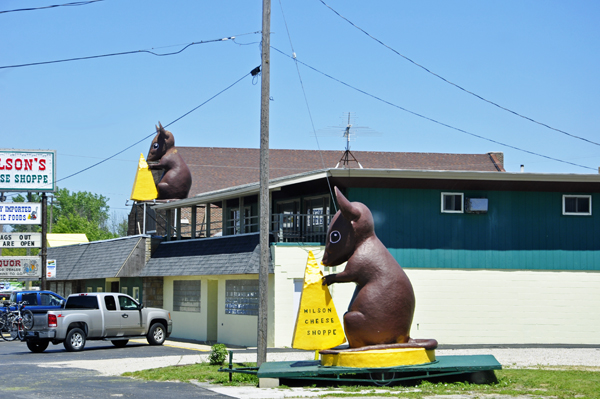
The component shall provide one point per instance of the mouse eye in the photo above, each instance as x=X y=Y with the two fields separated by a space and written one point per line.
x=155 y=146
x=335 y=236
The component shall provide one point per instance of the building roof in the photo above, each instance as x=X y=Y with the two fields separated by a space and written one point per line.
x=215 y=168
x=239 y=254
x=424 y=179
x=97 y=259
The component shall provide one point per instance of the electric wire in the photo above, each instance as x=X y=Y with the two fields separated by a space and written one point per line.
x=307 y=106
x=431 y=119
x=77 y=3
x=126 y=53
x=153 y=133
x=456 y=85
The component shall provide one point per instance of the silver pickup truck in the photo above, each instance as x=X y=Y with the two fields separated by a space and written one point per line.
x=99 y=316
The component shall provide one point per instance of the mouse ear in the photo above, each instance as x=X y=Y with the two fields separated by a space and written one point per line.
x=349 y=211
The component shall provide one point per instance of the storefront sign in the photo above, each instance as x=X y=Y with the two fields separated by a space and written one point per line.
x=51 y=268
x=20 y=266
x=20 y=213
x=27 y=170
x=20 y=240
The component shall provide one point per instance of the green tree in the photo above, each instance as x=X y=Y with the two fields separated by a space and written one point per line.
x=75 y=212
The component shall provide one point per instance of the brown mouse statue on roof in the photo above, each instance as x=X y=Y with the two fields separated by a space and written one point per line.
x=176 y=181
x=382 y=307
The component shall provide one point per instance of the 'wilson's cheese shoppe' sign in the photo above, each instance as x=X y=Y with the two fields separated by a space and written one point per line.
x=27 y=170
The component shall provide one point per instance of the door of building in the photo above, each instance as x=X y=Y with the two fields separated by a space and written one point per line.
x=212 y=316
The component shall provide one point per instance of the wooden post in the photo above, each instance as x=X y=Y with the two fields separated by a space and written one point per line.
x=193 y=222
x=263 y=275
x=207 y=215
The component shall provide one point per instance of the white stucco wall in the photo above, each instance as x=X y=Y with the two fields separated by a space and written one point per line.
x=517 y=307
x=187 y=325
x=231 y=329
x=468 y=306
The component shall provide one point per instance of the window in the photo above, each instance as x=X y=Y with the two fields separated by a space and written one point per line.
x=124 y=290
x=577 y=204
x=136 y=293
x=127 y=303
x=82 y=302
x=30 y=299
x=110 y=303
x=452 y=202
x=186 y=295
x=50 y=299
x=241 y=297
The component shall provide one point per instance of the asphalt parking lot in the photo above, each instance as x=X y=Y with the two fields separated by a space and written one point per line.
x=58 y=374
x=96 y=371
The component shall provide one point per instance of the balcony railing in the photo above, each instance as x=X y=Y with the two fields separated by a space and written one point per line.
x=300 y=227
x=287 y=227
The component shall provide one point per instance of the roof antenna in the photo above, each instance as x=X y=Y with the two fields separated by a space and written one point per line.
x=345 y=160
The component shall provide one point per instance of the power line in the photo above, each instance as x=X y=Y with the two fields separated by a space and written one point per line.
x=431 y=119
x=153 y=133
x=307 y=106
x=77 y=3
x=126 y=53
x=455 y=85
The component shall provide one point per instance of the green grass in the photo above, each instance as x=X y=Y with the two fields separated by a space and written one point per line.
x=537 y=383
x=202 y=372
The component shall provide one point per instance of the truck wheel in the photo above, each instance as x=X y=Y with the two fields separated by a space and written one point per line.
x=37 y=346
x=75 y=340
x=120 y=343
x=157 y=334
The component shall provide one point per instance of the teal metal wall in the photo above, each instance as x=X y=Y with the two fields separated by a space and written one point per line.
x=521 y=230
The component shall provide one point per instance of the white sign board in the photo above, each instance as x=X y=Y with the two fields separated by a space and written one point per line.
x=51 y=268
x=20 y=213
x=20 y=240
x=20 y=266
x=27 y=170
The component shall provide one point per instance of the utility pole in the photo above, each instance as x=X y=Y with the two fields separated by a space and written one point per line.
x=263 y=274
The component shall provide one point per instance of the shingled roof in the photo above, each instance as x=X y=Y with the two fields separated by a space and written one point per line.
x=121 y=257
x=219 y=168
x=238 y=254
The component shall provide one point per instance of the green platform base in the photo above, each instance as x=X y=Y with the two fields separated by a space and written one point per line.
x=477 y=369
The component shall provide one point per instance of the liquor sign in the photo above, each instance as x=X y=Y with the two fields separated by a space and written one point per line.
x=20 y=212
x=20 y=266
x=28 y=170
x=51 y=268
x=20 y=240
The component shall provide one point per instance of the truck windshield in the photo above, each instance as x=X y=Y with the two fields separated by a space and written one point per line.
x=82 y=302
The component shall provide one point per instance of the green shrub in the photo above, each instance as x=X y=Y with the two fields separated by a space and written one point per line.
x=218 y=354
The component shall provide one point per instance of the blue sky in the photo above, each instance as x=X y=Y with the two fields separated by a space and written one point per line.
x=539 y=59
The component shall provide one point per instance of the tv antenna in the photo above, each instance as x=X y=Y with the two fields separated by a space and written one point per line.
x=349 y=133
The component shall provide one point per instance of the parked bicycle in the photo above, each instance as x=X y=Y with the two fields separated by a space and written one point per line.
x=14 y=323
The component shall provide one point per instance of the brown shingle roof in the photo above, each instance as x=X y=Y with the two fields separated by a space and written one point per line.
x=218 y=168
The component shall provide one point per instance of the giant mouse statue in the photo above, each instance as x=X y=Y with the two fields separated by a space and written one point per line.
x=383 y=304
x=177 y=179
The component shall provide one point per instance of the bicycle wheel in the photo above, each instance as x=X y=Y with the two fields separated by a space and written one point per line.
x=3 y=320
x=8 y=332
x=27 y=319
x=20 y=331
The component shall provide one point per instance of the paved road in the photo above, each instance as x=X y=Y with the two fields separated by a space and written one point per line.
x=47 y=375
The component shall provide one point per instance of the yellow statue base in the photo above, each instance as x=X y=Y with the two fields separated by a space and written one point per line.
x=392 y=357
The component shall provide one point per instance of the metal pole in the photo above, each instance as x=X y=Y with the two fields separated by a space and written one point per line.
x=263 y=275
x=44 y=250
